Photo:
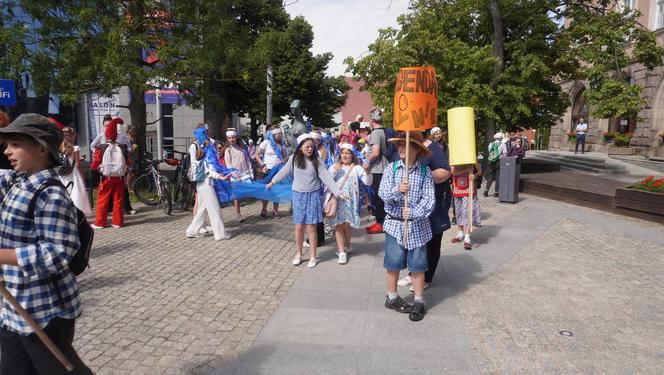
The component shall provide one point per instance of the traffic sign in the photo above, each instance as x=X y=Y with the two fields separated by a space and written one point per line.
x=7 y=92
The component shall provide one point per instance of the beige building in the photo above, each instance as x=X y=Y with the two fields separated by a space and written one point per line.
x=646 y=130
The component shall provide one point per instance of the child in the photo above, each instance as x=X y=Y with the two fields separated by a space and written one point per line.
x=461 y=177
x=270 y=155
x=421 y=200
x=346 y=172
x=237 y=156
x=113 y=168
x=77 y=191
x=308 y=171
x=208 y=202
x=35 y=248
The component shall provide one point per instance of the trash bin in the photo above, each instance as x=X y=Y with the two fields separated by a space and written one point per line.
x=510 y=172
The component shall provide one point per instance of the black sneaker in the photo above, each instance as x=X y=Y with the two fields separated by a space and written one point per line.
x=417 y=312
x=397 y=305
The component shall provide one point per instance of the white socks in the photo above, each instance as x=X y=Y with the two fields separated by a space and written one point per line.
x=466 y=238
x=459 y=234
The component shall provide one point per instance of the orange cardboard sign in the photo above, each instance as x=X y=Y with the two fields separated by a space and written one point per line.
x=416 y=99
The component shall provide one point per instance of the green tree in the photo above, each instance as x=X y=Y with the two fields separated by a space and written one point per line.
x=298 y=74
x=505 y=58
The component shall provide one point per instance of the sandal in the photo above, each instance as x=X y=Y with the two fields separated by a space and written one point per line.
x=457 y=239
x=417 y=312
x=264 y=213
x=398 y=305
x=467 y=245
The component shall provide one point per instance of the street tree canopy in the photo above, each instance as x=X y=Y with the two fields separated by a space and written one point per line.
x=506 y=58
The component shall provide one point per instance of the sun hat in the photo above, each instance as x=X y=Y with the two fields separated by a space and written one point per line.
x=416 y=139
x=303 y=138
x=40 y=129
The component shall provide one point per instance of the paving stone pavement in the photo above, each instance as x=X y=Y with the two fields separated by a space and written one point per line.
x=606 y=289
x=156 y=302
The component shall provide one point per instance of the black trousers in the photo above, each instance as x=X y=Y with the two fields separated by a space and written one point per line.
x=433 y=256
x=493 y=175
x=378 y=205
x=26 y=355
x=320 y=230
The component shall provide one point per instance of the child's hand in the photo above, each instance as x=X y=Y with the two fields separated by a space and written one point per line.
x=403 y=187
x=269 y=186
x=344 y=196
x=337 y=167
x=405 y=213
x=226 y=177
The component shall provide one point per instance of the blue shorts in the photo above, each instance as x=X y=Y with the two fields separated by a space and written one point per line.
x=397 y=257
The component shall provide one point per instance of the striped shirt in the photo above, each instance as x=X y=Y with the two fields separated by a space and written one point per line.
x=421 y=201
x=43 y=248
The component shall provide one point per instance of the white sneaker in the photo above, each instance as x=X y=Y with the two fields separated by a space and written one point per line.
x=405 y=281
x=297 y=260
x=342 y=258
x=199 y=235
x=96 y=226
x=224 y=237
x=412 y=288
x=131 y=212
x=306 y=244
x=312 y=262
x=116 y=226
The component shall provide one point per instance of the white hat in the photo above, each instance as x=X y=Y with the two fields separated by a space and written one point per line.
x=314 y=135
x=347 y=146
x=435 y=130
x=303 y=138
x=498 y=135
x=251 y=141
x=231 y=133
x=376 y=115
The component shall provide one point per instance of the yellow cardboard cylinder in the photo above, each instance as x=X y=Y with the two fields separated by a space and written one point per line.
x=461 y=135
x=416 y=99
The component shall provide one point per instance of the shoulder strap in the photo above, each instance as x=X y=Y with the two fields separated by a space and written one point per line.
x=33 y=201
x=424 y=170
x=394 y=169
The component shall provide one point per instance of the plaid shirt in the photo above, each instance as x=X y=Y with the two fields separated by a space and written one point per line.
x=43 y=248
x=421 y=201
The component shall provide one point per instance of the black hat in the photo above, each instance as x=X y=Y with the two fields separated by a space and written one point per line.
x=40 y=129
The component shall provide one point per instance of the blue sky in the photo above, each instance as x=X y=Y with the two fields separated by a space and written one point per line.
x=346 y=27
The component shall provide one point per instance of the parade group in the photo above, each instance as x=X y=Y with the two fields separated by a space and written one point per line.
x=328 y=179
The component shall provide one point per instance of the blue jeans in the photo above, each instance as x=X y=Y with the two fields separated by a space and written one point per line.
x=580 y=140
x=398 y=257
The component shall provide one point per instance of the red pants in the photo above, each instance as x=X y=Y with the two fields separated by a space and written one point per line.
x=110 y=186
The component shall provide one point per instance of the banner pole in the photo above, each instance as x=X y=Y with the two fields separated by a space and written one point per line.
x=405 y=197
x=470 y=202
x=35 y=327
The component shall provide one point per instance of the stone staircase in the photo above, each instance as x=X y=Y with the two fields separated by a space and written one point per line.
x=596 y=163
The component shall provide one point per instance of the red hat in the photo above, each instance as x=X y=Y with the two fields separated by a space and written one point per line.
x=56 y=122
x=111 y=131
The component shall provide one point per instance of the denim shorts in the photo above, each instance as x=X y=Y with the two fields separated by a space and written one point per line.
x=397 y=257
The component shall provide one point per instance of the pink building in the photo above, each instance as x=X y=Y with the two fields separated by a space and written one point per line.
x=358 y=102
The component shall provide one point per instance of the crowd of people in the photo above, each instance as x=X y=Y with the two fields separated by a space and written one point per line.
x=328 y=178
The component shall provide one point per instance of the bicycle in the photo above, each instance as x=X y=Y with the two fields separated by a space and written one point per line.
x=182 y=192
x=152 y=188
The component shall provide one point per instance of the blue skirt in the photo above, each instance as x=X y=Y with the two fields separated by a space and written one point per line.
x=307 y=207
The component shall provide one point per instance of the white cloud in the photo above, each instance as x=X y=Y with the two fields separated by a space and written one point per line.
x=346 y=27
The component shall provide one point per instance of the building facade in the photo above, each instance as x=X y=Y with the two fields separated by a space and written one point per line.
x=647 y=128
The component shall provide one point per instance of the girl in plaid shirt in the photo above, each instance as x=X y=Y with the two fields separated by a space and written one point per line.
x=35 y=249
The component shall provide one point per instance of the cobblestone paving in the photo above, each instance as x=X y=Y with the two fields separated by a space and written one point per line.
x=607 y=290
x=156 y=302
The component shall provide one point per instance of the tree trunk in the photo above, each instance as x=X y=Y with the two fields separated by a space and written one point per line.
x=215 y=112
x=138 y=117
x=498 y=68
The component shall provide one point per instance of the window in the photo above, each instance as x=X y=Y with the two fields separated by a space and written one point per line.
x=660 y=14
x=627 y=4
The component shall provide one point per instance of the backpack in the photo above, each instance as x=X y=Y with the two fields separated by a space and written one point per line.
x=113 y=163
x=494 y=152
x=81 y=259
x=391 y=151
x=197 y=169
x=394 y=169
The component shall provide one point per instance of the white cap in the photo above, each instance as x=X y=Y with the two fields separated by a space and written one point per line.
x=435 y=130
x=347 y=146
x=498 y=135
x=303 y=137
x=314 y=135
